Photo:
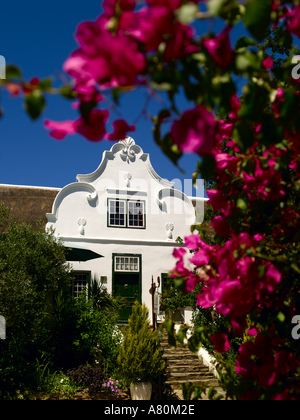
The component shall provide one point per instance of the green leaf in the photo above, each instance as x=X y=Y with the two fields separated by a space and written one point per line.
x=242 y=134
x=245 y=41
x=169 y=326
x=34 y=103
x=181 y=335
x=187 y=13
x=86 y=108
x=45 y=84
x=194 y=343
x=13 y=72
x=163 y=87
x=215 y=6
x=207 y=167
x=67 y=92
x=247 y=61
x=241 y=204
x=258 y=17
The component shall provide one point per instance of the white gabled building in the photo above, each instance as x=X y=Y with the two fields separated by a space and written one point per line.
x=128 y=214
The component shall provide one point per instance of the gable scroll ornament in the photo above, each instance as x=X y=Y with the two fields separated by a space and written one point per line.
x=170 y=228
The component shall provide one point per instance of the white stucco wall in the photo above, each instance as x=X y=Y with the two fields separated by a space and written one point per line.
x=79 y=215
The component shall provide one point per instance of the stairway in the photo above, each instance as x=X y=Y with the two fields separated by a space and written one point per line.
x=184 y=366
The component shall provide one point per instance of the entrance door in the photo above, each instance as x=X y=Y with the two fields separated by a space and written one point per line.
x=127 y=281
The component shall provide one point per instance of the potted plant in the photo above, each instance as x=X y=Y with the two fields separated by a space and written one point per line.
x=173 y=302
x=140 y=356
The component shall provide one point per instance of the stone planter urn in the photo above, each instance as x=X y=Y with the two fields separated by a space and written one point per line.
x=176 y=315
x=141 y=391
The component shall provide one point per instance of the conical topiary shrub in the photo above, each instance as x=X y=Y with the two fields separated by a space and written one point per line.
x=140 y=356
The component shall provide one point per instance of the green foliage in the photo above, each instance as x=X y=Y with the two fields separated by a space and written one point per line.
x=35 y=103
x=32 y=271
x=46 y=328
x=257 y=17
x=77 y=331
x=175 y=299
x=88 y=377
x=59 y=385
x=140 y=357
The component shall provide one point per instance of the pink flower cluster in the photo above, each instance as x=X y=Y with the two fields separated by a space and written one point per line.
x=235 y=279
x=235 y=282
x=257 y=361
x=112 y=54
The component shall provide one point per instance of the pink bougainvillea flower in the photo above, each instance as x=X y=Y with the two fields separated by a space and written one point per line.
x=31 y=85
x=94 y=128
x=267 y=375
x=258 y=237
x=60 y=129
x=253 y=331
x=221 y=342
x=200 y=258
x=225 y=129
x=103 y=58
x=220 y=225
x=235 y=106
x=13 y=88
x=195 y=131
x=192 y=242
x=219 y=48
x=109 y=6
x=293 y=21
x=172 y=5
x=181 y=43
x=149 y=26
x=217 y=199
x=191 y=283
x=268 y=63
x=179 y=253
x=121 y=129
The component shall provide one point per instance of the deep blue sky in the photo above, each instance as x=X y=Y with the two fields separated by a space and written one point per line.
x=38 y=36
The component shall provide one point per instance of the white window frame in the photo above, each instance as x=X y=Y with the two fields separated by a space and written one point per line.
x=75 y=281
x=126 y=203
x=126 y=263
x=110 y=200
x=142 y=204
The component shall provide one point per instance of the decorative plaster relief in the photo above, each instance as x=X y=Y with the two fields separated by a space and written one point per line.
x=170 y=228
x=127 y=179
x=81 y=223
x=92 y=196
x=127 y=152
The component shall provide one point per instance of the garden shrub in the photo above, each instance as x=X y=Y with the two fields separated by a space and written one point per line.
x=140 y=357
x=86 y=376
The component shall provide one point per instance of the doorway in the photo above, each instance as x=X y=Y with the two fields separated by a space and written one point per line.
x=127 y=281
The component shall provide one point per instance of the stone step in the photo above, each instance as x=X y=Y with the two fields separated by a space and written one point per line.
x=189 y=377
x=185 y=359
x=183 y=366
x=179 y=351
x=204 y=381
x=189 y=371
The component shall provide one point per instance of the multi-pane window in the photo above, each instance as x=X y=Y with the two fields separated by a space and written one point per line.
x=135 y=214
x=127 y=263
x=126 y=213
x=117 y=213
x=79 y=284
